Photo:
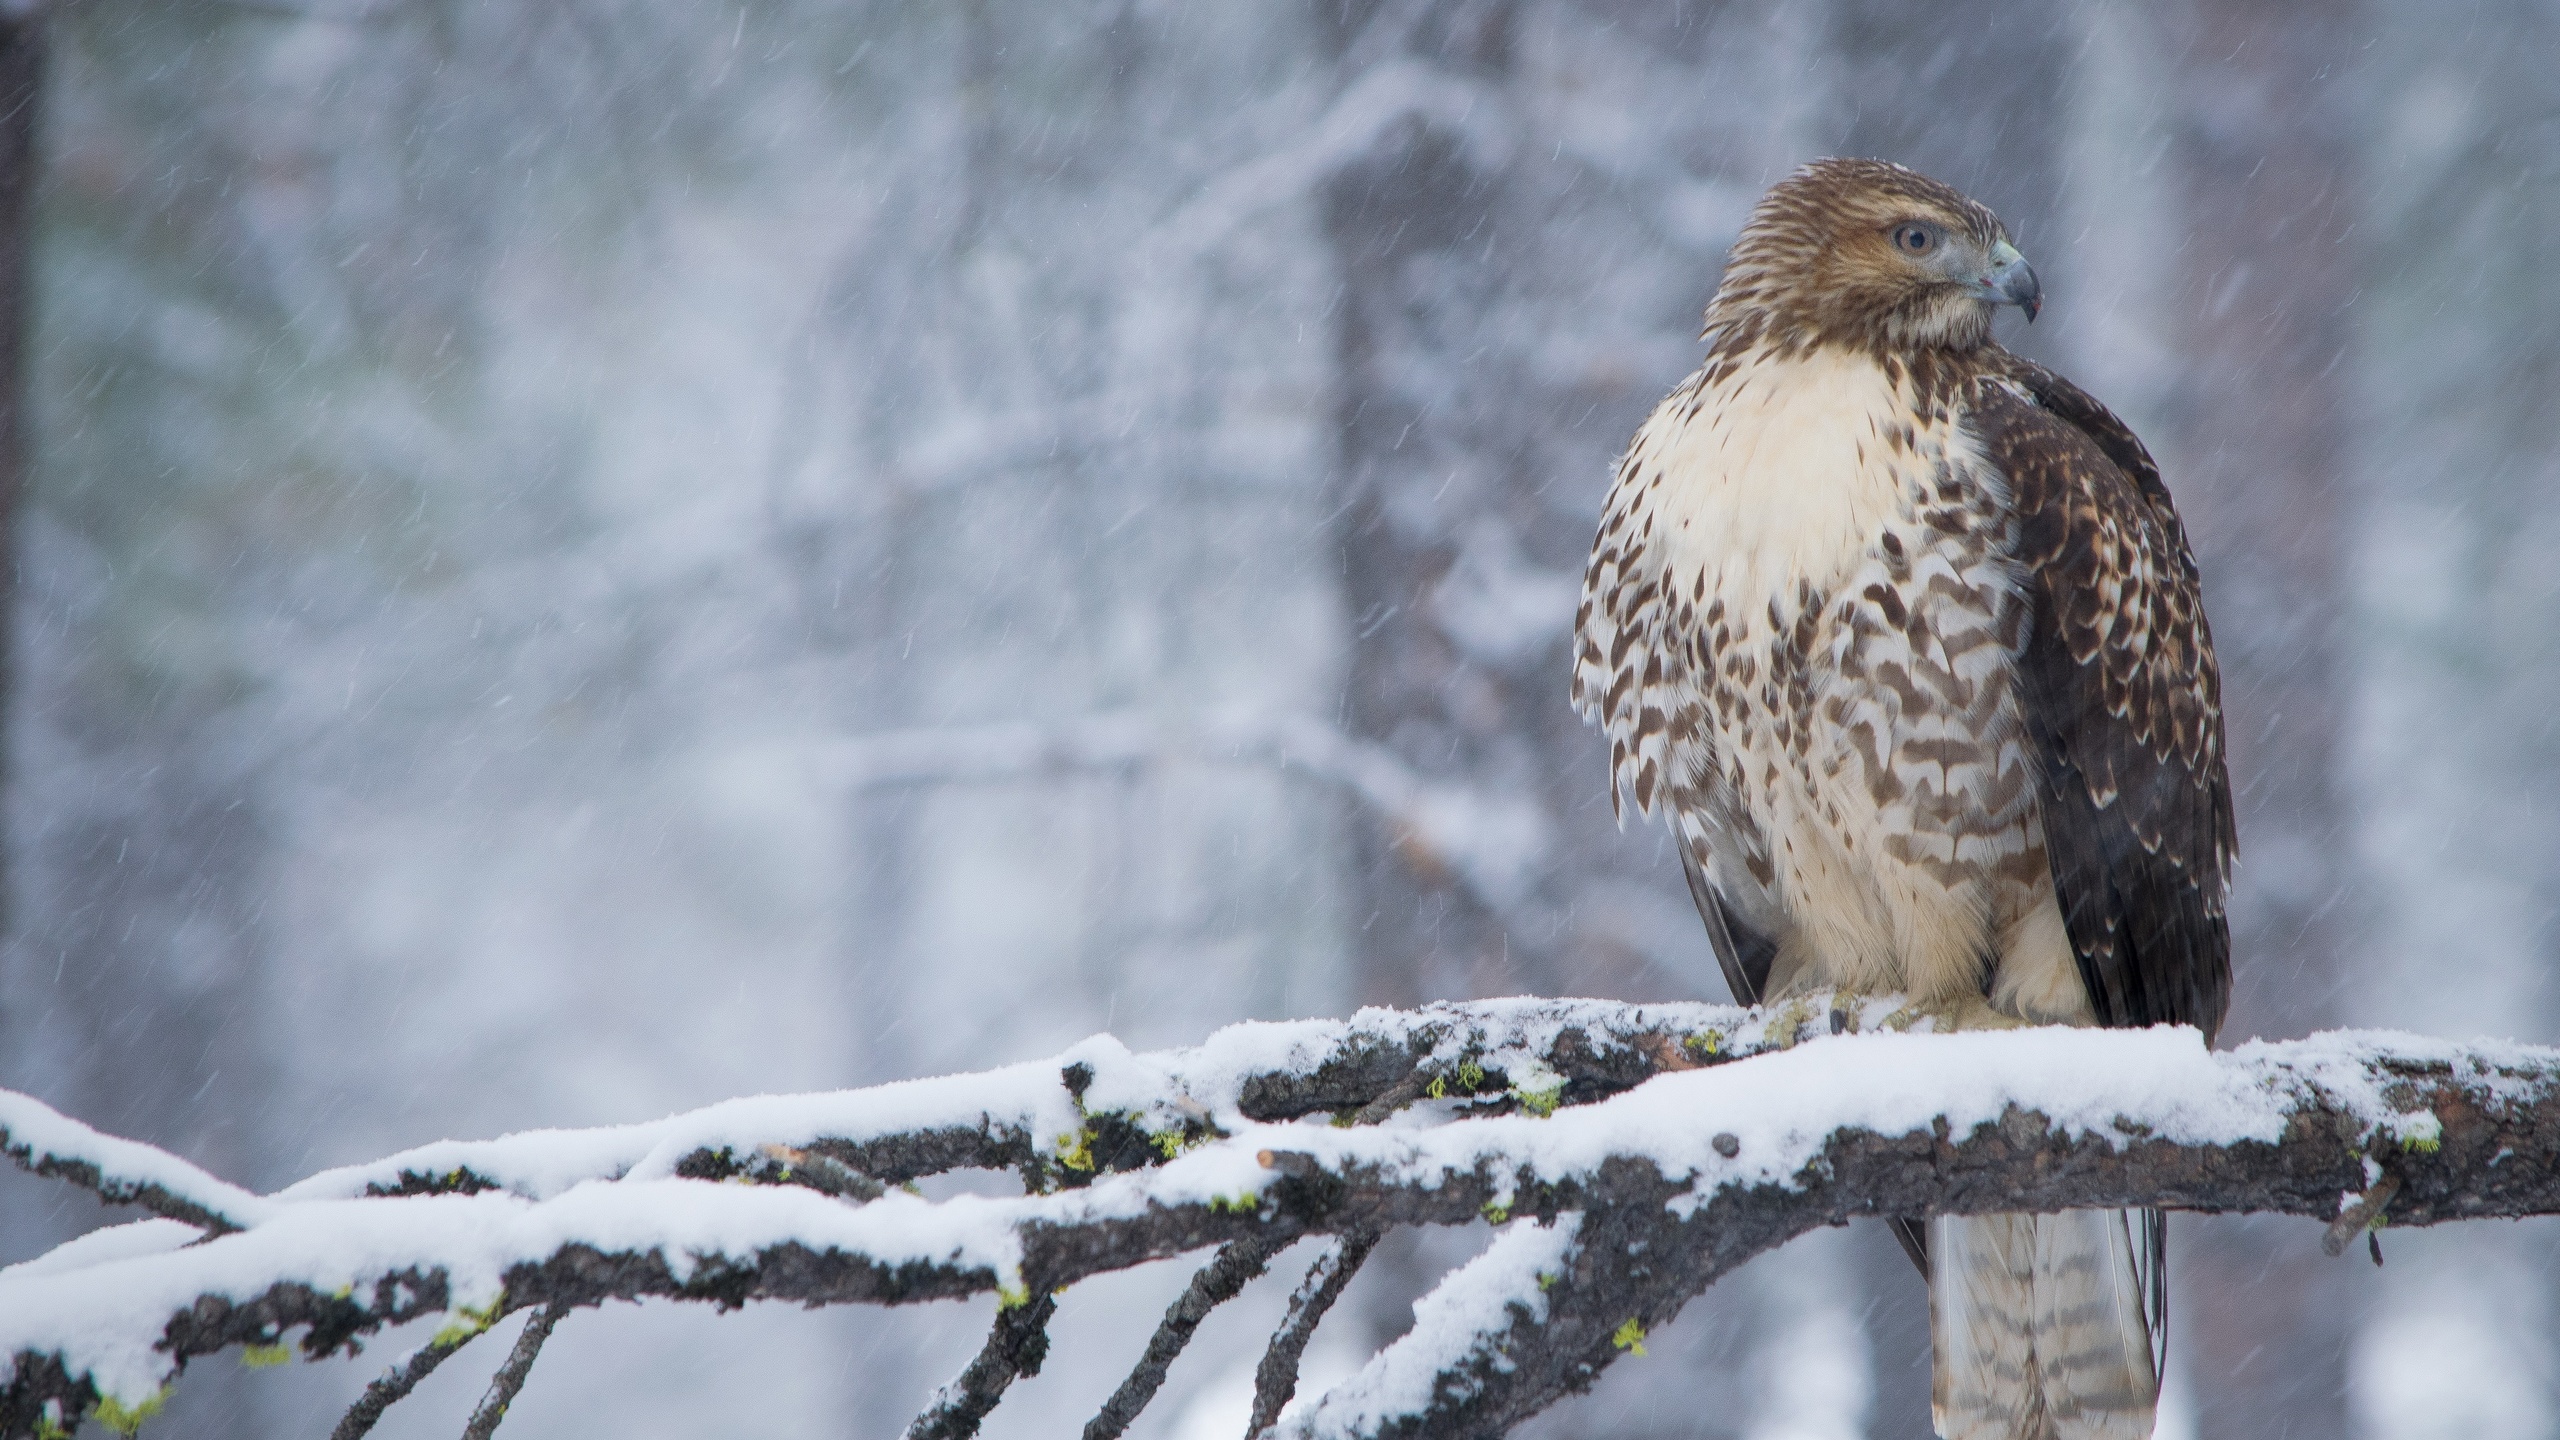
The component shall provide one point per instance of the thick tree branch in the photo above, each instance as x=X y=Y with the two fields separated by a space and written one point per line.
x=1018 y=1118
x=1646 y=1194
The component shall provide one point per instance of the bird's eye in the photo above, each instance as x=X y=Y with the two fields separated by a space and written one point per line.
x=1914 y=239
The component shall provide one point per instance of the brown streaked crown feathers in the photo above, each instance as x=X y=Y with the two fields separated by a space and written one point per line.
x=1815 y=265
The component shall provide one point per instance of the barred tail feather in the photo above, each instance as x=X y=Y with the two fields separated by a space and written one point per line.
x=2041 y=1327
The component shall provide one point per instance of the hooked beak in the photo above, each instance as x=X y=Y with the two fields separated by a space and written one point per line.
x=2011 y=281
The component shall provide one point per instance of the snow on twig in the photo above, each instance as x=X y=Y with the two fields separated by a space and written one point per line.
x=1645 y=1122
x=1018 y=1114
x=1465 y=1317
x=121 y=1172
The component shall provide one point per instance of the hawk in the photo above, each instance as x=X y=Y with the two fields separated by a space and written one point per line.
x=1901 y=634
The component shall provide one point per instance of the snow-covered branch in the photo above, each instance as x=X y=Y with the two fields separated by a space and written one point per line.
x=1630 y=1154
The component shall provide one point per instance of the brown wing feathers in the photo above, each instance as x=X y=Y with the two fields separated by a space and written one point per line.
x=1742 y=953
x=2124 y=703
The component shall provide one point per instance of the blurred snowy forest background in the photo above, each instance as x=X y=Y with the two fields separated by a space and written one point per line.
x=585 y=558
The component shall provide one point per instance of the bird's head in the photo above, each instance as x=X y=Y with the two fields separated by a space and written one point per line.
x=1869 y=254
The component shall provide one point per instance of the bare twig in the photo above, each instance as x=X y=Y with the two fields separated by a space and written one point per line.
x=399 y=1380
x=1239 y=1262
x=822 y=1173
x=1016 y=1345
x=2359 y=1215
x=511 y=1376
x=1275 y=1380
x=1404 y=1092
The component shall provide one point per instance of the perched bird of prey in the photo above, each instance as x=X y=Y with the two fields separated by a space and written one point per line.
x=1902 y=635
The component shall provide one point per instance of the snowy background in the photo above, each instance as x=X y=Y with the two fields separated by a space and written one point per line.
x=587 y=558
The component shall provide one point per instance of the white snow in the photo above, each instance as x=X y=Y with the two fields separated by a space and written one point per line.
x=154 y=1236
x=102 y=1302
x=1464 y=1315
x=1164 y=1089
x=1027 y=1098
x=36 y=1130
x=105 y=1317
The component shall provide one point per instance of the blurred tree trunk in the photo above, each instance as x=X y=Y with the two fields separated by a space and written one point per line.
x=22 y=52
x=128 y=910
x=1418 y=225
x=1397 y=218
x=2453 y=787
x=2262 y=160
x=2265 y=163
x=1522 y=276
x=24 y=1203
